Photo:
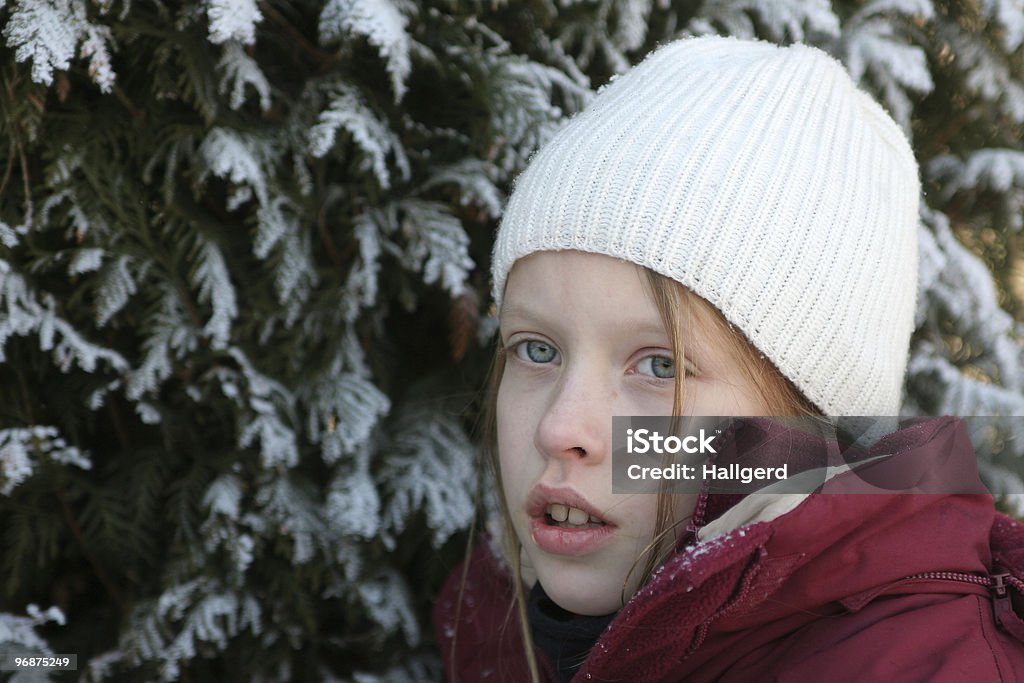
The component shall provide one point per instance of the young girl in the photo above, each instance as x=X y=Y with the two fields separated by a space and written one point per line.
x=728 y=229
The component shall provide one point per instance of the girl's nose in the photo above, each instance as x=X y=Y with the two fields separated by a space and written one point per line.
x=577 y=422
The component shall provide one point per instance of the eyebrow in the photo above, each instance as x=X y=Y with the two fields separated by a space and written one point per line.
x=519 y=312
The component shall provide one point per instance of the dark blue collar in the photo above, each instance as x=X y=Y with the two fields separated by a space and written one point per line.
x=566 y=638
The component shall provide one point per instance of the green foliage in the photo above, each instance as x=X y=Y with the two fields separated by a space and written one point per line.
x=243 y=284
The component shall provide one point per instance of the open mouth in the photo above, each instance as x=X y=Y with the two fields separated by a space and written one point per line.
x=564 y=523
x=568 y=517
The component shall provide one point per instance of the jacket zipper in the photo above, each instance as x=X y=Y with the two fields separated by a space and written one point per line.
x=1002 y=604
x=1002 y=607
x=996 y=582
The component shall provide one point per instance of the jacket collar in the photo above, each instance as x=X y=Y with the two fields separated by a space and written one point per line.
x=792 y=557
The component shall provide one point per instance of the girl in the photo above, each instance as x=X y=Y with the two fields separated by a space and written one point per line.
x=728 y=229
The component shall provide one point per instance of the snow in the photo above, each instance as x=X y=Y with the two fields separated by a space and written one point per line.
x=233 y=20
x=381 y=22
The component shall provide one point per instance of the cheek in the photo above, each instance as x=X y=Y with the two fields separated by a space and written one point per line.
x=515 y=437
x=646 y=514
x=505 y=422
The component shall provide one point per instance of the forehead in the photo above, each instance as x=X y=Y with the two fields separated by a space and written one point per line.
x=549 y=282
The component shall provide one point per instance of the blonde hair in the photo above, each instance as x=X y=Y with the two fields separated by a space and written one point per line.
x=680 y=310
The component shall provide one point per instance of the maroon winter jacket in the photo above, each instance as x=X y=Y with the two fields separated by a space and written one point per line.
x=843 y=587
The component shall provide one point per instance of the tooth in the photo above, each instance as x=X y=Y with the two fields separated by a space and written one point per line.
x=558 y=512
x=594 y=519
x=577 y=516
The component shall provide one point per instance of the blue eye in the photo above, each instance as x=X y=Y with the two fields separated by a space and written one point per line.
x=536 y=351
x=661 y=367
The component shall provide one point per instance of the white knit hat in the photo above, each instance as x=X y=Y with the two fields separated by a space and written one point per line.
x=763 y=180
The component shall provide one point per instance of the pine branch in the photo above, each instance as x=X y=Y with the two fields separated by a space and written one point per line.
x=98 y=570
x=938 y=141
x=123 y=98
x=119 y=427
x=10 y=167
x=24 y=179
x=325 y=236
x=322 y=59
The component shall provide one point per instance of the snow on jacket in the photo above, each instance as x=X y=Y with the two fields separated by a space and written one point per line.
x=836 y=586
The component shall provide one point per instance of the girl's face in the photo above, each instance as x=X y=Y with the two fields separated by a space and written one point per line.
x=583 y=342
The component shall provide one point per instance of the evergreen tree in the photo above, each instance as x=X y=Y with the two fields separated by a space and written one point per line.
x=243 y=295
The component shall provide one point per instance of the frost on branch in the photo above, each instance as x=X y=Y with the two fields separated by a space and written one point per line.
x=872 y=47
x=343 y=408
x=215 y=288
x=233 y=20
x=388 y=601
x=412 y=670
x=996 y=171
x=956 y=284
x=224 y=497
x=362 y=283
x=999 y=448
x=381 y=23
x=780 y=18
x=631 y=29
x=954 y=392
x=169 y=334
x=475 y=180
x=986 y=71
x=239 y=70
x=48 y=31
x=290 y=505
x=1009 y=14
x=993 y=169
x=261 y=401
x=45 y=31
x=18 y=634
x=116 y=286
x=274 y=220
x=520 y=105
x=276 y=439
x=85 y=261
x=295 y=274
x=102 y=665
x=237 y=158
x=201 y=611
x=20 y=449
x=9 y=235
x=428 y=470
x=25 y=314
x=438 y=245
x=353 y=504
x=619 y=27
x=94 y=48
x=419 y=667
x=221 y=529
x=347 y=110
x=278 y=232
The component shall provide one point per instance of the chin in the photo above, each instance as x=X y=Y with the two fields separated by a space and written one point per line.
x=578 y=595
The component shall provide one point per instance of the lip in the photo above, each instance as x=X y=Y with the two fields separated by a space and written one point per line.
x=557 y=540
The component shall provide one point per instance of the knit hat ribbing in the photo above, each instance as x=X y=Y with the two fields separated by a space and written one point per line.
x=764 y=181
